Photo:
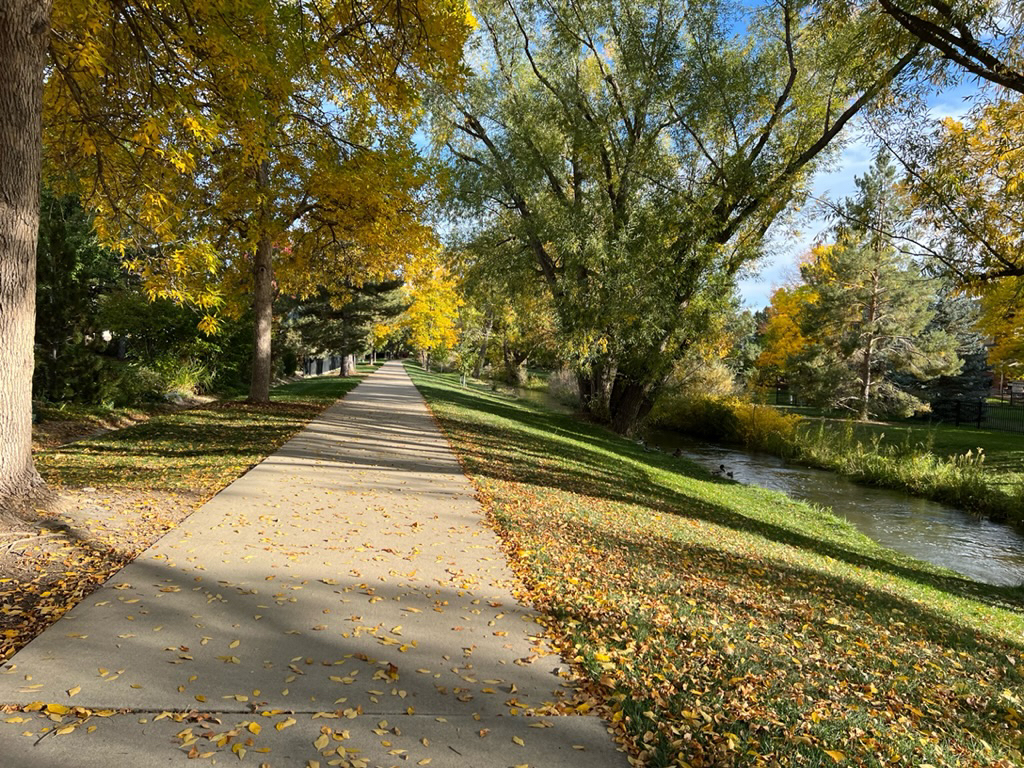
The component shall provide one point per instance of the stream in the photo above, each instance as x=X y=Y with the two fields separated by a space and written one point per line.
x=974 y=547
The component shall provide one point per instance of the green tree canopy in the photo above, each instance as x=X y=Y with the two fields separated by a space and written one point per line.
x=637 y=153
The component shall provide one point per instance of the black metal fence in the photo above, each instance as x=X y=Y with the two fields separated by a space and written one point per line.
x=1014 y=397
x=315 y=366
x=780 y=396
x=1000 y=415
x=981 y=414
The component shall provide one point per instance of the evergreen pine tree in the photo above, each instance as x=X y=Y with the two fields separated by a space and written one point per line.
x=329 y=324
x=957 y=315
x=872 y=321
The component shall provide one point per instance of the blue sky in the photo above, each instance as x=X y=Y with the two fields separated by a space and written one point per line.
x=779 y=266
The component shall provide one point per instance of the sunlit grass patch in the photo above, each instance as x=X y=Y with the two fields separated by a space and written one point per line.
x=199 y=449
x=718 y=624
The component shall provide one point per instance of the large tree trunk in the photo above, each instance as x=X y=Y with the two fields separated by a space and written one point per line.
x=595 y=388
x=515 y=371
x=24 y=28
x=263 y=304
x=630 y=403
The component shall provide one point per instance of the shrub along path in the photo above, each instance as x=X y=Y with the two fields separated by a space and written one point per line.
x=726 y=625
x=340 y=604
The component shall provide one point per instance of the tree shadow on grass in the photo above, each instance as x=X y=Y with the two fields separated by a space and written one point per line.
x=529 y=445
x=852 y=637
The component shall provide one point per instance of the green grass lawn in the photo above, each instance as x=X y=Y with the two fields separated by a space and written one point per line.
x=1004 y=451
x=719 y=624
x=198 y=449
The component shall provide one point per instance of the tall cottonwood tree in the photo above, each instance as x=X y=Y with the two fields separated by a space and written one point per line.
x=1002 y=321
x=984 y=38
x=965 y=173
x=967 y=177
x=24 y=27
x=509 y=320
x=638 y=153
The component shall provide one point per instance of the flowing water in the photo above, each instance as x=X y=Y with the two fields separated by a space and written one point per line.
x=979 y=549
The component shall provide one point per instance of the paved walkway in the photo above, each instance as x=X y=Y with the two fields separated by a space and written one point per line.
x=340 y=604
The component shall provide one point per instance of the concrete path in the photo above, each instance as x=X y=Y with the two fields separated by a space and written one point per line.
x=341 y=604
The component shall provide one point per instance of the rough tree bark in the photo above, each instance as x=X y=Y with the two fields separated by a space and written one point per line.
x=348 y=365
x=24 y=29
x=263 y=304
x=515 y=360
x=865 y=372
x=481 y=359
x=630 y=402
x=595 y=389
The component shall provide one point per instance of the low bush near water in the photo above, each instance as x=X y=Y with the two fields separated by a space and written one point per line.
x=730 y=420
x=959 y=480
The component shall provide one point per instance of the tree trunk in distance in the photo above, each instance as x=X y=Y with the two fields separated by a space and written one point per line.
x=865 y=374
x=482 y=358
x=24 y=31
x=595 y=389
x=348 y=365
x=263 y=304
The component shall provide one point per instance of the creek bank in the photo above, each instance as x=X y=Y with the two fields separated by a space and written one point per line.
x=960 y=478
x=980 y=549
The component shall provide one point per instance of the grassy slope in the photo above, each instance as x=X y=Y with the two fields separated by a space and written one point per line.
x=725 y=625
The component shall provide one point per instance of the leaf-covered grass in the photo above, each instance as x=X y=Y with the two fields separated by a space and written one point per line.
x=199 y=449
x=122 y=490
x=719 y=624
x=56 y=424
